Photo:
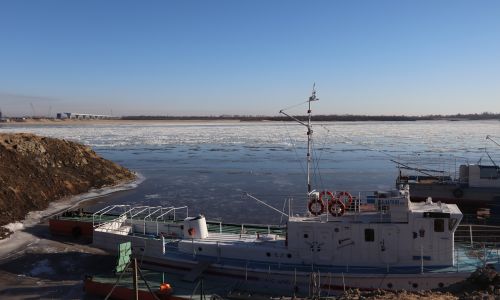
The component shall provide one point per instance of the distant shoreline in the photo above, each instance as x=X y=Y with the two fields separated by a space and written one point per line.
x=240 y=118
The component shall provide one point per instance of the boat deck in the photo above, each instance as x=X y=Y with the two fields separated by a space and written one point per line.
x=467 y=260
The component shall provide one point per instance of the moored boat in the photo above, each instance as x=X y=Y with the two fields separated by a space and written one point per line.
x=477 y=187
x=337 y=241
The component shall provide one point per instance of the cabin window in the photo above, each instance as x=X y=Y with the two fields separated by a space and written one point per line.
x=438 y=225
x=369 y=235
x=489 y=172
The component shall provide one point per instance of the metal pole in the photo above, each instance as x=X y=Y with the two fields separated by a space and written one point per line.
x=470 y=232
x=309 y=139
x=136 y=283
x=309 y=135
x=421 y=259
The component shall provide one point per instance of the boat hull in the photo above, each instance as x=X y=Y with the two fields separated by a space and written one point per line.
x=77 y=229
x=288 y=283
x=102 y=289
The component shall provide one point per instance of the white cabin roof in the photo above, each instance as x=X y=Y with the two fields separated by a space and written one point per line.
x=434 y=207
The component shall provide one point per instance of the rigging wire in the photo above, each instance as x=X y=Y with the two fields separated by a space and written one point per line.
x=322 y=147
x=295 y=105
x=147 y=284
x=295 y=149
x=316 y=169
x=117 y=281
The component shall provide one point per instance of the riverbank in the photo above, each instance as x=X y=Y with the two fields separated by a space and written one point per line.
x=33 y=263
x=23 y=233
x=36 y=172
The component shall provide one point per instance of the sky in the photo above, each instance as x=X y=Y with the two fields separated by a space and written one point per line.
x=247 y=57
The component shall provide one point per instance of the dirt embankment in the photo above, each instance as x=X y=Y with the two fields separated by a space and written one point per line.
x=483 y=284
x=35 y=171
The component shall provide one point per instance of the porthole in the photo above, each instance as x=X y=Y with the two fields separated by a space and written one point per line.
x=441 y=285
x=268 y=254
x=200 y=249
x=289 y=255
x=415 y=285
x=306 y=235
x=336 y=230
x=389 y=285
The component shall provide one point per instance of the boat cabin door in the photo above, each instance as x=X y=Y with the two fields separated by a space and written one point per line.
x=388 y=244
x=422 y=237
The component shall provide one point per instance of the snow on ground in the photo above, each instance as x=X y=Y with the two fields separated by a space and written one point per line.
x=14 y=226
x=21 y=239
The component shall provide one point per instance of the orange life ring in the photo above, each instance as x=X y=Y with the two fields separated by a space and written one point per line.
x=336 y=207
x=345 y=198
x=316 y=207
x=191 y=231
x=326 y=193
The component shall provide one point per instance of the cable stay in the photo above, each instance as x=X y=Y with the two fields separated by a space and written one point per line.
x=488 y=137
x=423 y=171
x=264 y=203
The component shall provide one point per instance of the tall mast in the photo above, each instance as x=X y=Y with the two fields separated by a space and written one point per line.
x=309 y=138
x=309 y=134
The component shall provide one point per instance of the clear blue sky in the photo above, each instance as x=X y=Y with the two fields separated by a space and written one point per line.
x=249 y=57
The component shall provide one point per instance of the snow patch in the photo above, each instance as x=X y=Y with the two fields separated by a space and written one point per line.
x=16 y=226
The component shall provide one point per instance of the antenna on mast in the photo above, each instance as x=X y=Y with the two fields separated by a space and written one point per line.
x=309 y=134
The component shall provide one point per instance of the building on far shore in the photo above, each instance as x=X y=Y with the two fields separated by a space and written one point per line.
x=82 y=116
x=2 y=118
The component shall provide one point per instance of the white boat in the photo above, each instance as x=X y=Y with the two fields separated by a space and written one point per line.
x=341 y=241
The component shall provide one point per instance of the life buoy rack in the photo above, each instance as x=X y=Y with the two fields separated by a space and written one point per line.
x=316 y=207
x=336 y=207
x=458 y=193
x=191 y=231
x=345 y=198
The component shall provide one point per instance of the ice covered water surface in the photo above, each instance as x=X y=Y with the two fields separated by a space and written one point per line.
x=209 y=165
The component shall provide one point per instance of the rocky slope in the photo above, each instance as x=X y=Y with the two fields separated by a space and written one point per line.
x=36 y=170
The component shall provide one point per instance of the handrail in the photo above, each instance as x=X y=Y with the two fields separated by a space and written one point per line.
x=105 y=210
x=174 y=209
x=158 y=208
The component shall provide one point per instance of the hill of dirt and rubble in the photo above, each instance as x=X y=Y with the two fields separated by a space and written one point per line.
x=35 y=171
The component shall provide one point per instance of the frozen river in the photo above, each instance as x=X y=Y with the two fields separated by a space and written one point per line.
x=208 y=166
